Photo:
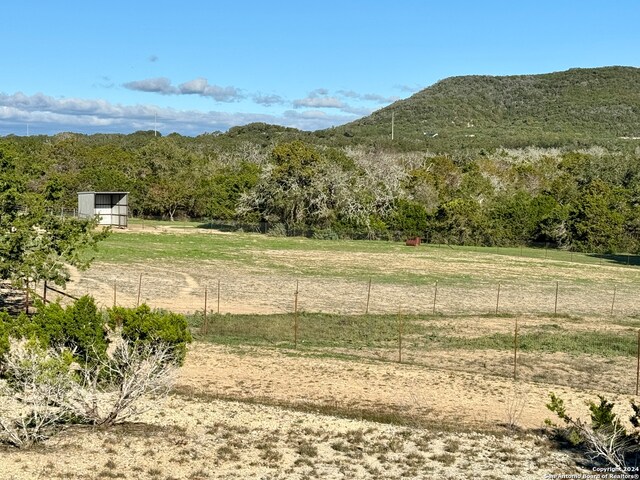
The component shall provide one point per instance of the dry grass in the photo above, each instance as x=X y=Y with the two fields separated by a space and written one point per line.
x=258 y=275
x=197 y=438
x=350 y=411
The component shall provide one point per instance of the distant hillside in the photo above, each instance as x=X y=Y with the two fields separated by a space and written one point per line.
x=575 y=107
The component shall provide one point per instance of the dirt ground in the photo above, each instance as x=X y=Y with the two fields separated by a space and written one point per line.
x=527 y=286
x=195 y=434
x=439 y=397
x=236 y=411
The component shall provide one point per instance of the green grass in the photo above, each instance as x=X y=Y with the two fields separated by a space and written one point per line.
x=324 y=332
x=602 y=344
x=314 y=330
x=250 y=250
x=125 y=246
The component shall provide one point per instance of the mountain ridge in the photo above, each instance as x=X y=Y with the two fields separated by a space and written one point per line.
x=579 y=105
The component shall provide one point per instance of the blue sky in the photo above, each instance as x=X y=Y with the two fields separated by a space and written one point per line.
x=201 y=66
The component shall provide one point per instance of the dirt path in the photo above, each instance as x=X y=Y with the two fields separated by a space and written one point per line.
x=268 y=285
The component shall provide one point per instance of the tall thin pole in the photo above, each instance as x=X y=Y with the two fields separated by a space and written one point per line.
x=613 y=301
x=515 y=352
x=218 y=296
x=114 y=291
x=498 y=298
x=139 y=289
x=368 y=297
x=392 y=124
x=400 y=327
x=435 y=295
x=555 y=308
x=295 y=317
x=205 y=326
x=44 y=293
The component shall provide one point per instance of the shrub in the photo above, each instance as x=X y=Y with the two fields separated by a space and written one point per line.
x=80 y=327
x=325 y=234
x=44 y=390
x=35 y=384
x=277 y=230
x=606 y=438
x=143 y=326
x=80 y=365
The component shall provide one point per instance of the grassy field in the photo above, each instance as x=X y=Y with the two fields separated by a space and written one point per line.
x=560 y=351
x=421 y=386
x=418 y=333
x=184 y=241
x=577 y=314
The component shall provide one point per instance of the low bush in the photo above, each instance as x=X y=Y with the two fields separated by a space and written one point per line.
x=606 y=439
x=142 y=326
x=78 y=364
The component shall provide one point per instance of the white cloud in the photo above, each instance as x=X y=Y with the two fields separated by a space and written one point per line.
x=153 y=85
x=47 y=115
x=200 y=86
x=319 y=102
x=267 y=100
x=197 y=86
x=314 y=119
x=320 y=98
x=370 y=97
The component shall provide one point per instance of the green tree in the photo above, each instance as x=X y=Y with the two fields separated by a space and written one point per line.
x=170 y=173
x=34 y=243
x=408 y=219
x=597 y=219
x=299 y=187
x=218 y=195
x=462 y=222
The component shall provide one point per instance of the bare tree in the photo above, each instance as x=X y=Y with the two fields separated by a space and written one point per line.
x=33 y=392
x=109 y=390
x=44 y=390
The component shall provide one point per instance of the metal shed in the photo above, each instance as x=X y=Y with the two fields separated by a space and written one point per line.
x=113 y=207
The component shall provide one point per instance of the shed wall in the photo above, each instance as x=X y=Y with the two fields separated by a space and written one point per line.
x=112 y=207
x=86 y=205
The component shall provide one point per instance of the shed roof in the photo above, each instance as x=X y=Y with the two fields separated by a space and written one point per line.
x=108 y=193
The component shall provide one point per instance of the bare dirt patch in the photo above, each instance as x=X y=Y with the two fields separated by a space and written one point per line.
x=434 y=396
x=268 y=287
x=194 y=435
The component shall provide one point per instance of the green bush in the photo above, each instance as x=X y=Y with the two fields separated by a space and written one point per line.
x=409 y=219
x=83 y=329
x=77 y=364
x=606 y=439
x=80 y=327
x=325 y=234
x=143 y=326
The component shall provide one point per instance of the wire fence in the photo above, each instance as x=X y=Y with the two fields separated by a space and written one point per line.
x=581 y=336
x=180 y=289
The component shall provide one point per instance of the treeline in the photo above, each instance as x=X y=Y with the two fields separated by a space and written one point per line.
x=584 y=200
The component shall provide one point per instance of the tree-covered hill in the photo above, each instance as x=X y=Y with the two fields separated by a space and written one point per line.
x=577 y=107
x=523 y=160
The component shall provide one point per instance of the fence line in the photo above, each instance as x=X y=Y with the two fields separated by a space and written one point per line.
x=264 y=295
x=601 y=356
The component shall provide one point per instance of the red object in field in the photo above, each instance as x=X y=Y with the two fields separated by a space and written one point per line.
x=413 y=242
